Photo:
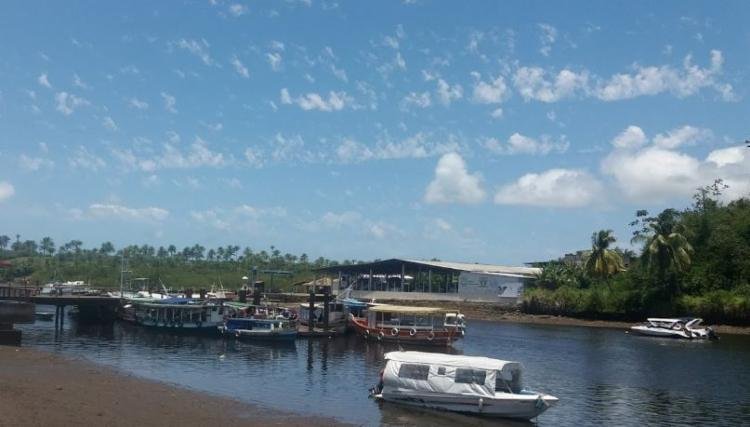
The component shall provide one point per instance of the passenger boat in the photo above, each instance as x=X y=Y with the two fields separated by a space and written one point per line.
x=684 y=327
x=466 y=384
x=259 y=329
x=417 y=325
x=336 y=315
x=66 y=288
x=179 y=313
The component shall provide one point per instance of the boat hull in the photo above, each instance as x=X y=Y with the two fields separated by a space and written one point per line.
x=407 y=336
x=671 y=333
x=247 y=334
x=519 y=406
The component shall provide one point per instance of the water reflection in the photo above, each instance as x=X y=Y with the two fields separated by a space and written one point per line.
x=602 y=377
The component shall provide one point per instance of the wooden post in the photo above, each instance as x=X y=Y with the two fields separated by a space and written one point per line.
x=403 y=268
x=429 y=279
x=311 y=313
x=369 y=283
x=326 y=308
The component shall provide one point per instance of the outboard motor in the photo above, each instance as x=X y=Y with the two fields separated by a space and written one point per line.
x=711 y=334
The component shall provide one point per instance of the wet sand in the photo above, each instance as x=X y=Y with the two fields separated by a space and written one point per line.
x=45 y=389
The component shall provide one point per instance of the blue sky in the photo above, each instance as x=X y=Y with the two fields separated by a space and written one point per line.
x=498 y=132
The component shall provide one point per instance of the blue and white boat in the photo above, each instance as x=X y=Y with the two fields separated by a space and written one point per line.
x=259 y=329
x=178 y=314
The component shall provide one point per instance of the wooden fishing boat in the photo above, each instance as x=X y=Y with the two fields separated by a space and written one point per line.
x=259 y=329
x=412 y=325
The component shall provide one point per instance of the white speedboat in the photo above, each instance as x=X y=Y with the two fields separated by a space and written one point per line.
x=685 y=327
x=467 y=384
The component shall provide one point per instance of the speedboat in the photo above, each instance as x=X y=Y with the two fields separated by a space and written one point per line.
x=684 y=327
x=466 y=384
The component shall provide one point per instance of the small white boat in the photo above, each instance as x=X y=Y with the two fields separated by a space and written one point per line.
x=685 y=327
x=466 y=384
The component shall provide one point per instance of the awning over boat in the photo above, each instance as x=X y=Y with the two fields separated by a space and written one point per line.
x=388 y=308
x=455 y=360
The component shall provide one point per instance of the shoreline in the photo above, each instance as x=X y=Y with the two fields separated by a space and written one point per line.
x=40 y=388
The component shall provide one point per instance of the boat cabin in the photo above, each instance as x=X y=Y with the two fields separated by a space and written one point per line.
x=408 y=371
x=386 y=316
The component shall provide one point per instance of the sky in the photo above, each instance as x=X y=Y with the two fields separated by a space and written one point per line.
x=496 y=132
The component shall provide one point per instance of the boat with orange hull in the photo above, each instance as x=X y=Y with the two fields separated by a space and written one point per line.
x=410 y=325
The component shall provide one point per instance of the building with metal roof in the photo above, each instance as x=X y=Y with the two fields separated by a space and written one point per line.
x=416 y=280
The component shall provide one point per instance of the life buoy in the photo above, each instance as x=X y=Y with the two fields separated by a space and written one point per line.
x=431 y=336
x=381 y=335
x=677 y=327
x=394 y=332
x=412 y=332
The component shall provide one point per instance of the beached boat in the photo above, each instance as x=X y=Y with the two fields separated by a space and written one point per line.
x=66 y=288
x=417 y=325
x=466 y=384
x=179 y=313
x=684 y=327
x=337 y=316
x=259 y=329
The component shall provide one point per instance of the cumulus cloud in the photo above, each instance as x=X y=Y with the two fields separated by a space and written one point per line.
x=547 y=37
x=655 y=170
x=566 y=188
x=198 y=154
x=274 y=60
x=237 y=9
x=493 y=92
x=198 y=48
x=520 y=144
x=239 y=67
x=114 y=211
x=67 y=103
x=453 y=183
x=33 y=164
x=335 y=101
x=109 y=123
x=534 y=83
x=82 y=158
x=43 y=80
x=6 y=190
x=138 y=104
x=416 y=146
x=169 y=102
x=421 y=100
x=448 y=93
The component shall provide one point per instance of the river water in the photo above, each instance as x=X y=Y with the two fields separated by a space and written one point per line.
x=602 y=376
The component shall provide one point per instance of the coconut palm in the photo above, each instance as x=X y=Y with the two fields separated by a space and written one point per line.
x=601 y=261
x=666 y=248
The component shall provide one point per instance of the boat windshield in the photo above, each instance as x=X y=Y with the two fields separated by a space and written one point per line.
x=512 y=386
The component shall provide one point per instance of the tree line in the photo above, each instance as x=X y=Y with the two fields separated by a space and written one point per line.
x=694 y=261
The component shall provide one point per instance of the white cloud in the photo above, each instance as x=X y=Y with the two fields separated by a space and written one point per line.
x=533 y=84
x=33 y=164
x=631 y=137
x=547 y=37
x=566 y=188
x=109 y=123
x=6 y=190
x=237 y=9
x=77 y=82
x=453 y=183
x=421 y=100
x=84 y=159
x=497 y=113
x=520 y=144
x=274 y=60
x=169 y=102
x=137 y=103
x=728 y=156
x=493 y=92
x=413 y=147
x=44 y=81
x=338 y=220
x=239 y=67
x=197 y=48
x=336 y=101
x=114 y=211
x=653 y=80
x=448 y=93
x=685 y=135
x=172 y=157
x=67 y=102
x=254 y=157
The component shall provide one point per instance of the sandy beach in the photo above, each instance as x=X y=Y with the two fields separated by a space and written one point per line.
x=44 y=389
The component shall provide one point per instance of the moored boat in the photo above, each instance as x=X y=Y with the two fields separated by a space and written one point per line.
x=179 y=314
x=259 y=329
x=684 y=327
x=336 y=315
x=415 y=325
x=467 y=384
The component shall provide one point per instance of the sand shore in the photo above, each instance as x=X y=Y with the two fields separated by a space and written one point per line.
x=45 y=389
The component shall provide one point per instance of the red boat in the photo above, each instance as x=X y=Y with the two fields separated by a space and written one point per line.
x=410 y=325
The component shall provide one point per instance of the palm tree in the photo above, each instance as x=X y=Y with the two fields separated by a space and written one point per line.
x=48 y=246
x=601 y=261
x=666 y=247
x=4 y=240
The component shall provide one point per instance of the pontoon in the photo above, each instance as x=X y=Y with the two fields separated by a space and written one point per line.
x=467 y=384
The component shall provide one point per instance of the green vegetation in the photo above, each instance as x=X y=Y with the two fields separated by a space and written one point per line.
x=692 y=262
x=192 y=267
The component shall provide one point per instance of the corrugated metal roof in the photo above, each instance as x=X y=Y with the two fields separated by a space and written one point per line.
x=481 y=268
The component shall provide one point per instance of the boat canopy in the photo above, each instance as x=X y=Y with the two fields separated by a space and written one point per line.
x=388 y=308
x=453 y=374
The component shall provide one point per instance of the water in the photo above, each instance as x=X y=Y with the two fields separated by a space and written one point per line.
x=602 y=376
